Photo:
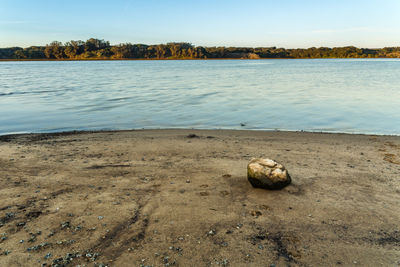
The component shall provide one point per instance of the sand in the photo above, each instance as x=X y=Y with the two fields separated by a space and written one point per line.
x=161 y=198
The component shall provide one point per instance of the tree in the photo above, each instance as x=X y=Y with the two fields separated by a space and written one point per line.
x=74 y=48
x=161 y=51
x=54 y=50
x=95 y=44
x=20 y=54
x=34 y=52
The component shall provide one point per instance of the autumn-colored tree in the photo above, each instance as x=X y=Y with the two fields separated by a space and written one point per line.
x=74 y=48
x=54 y=50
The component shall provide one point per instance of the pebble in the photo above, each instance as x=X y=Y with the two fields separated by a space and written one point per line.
x=211 y=232
x=65 y=225
x=3 y=236
x=10 y=215
x=47 y=256
x=224 y=262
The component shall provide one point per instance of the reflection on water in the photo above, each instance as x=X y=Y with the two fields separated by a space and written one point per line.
x=334 y=95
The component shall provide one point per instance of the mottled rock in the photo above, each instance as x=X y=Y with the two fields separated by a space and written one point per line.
x=267 y=174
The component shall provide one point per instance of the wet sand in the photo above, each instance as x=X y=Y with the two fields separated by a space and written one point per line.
x=169 y=198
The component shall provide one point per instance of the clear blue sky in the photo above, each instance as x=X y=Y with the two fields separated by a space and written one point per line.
x=282 y=23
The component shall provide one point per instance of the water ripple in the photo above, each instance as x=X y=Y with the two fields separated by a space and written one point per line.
x=335 y=95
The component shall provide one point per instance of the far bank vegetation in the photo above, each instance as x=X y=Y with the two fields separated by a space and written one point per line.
x=100 y=49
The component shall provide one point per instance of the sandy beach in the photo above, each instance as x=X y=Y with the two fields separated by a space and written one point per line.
x=181 y=198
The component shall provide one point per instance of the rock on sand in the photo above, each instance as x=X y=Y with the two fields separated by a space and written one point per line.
x=267 y=174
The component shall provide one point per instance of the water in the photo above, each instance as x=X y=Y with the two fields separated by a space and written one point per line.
x=330 y=95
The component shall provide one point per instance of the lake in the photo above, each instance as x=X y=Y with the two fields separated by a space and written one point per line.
x=328 y=95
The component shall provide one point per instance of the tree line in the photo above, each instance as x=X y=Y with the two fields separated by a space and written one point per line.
x=100 y=49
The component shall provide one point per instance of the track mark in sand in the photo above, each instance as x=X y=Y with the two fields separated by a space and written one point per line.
x=5 y=208
x=31 y=209
x=62 y=191
x=391 y=158
x=7 y=218
x=390 y=239
x=124 y=235
x=116 y=232
x=33 y=214
x=391 y=144
x=121 y=234
x=383 y=238
x=95 y=167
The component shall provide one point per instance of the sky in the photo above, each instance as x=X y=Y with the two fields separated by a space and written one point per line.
x=251 y=23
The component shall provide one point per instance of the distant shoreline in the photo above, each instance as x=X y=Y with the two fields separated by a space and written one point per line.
x=179 y=59
x=97 y=49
